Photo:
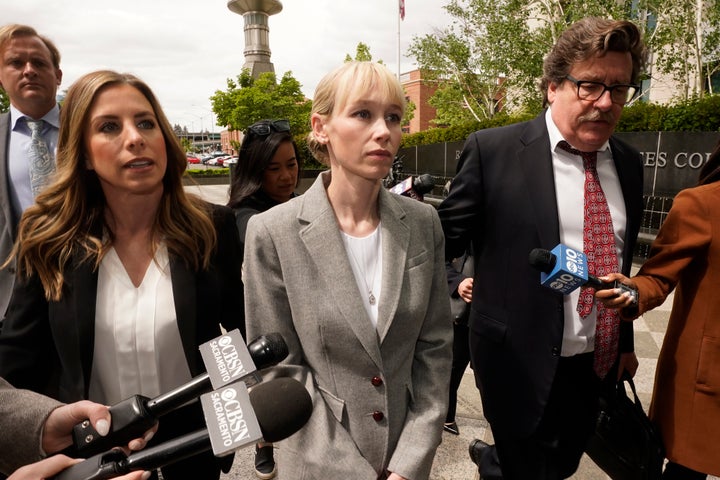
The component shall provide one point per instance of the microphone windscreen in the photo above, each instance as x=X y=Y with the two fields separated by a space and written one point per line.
x=268 y=350
x=424 y=183
x=282 y=406
x=542 y=259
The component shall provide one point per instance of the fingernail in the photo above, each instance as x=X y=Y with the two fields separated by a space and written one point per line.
x=145 y=475
x=149 y=436
x=102 y=427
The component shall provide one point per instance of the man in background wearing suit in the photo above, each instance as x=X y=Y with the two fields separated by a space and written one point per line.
x=30 y=76
x=537 y=364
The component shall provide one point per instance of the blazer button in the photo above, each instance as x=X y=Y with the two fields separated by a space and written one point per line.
x=376 y=381
x=556 y=351
x=378 y=416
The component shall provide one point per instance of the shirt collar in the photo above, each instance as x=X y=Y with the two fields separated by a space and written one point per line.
x=556 y=137
x=52 y=117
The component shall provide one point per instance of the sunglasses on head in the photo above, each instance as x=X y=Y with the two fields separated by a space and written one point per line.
x=267 y=127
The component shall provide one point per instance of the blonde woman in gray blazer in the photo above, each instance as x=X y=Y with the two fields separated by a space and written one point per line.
x=353 y=277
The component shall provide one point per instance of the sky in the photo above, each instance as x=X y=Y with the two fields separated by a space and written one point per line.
x=187 y=49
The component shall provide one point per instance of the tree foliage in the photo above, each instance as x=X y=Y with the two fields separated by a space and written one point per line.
x=249 y=99
x=490 y=56
x=684 y=36
x=362 y=54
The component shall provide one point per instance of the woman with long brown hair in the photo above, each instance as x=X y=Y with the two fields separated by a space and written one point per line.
x=121 y=274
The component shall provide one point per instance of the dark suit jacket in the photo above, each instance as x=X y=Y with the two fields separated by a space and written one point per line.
x=8 y=219
x=48 y=346
x=503 y=202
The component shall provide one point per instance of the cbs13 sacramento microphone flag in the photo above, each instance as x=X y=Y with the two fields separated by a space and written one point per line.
x=402 y=9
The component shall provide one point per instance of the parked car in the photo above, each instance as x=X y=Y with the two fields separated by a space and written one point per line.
x=230 y=161
x=192 y=159
x=221 y=160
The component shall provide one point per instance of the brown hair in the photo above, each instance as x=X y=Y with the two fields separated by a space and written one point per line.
x=62 y=223
x=588 y=38
x=15 y=30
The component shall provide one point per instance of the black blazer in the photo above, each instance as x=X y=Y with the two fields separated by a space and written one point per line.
x=503 y=202
x=48 y=346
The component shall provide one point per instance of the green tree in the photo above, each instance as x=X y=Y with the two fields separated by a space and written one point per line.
x=684 y=36
x=362 y=54
x=490 y=57
x=249 y=99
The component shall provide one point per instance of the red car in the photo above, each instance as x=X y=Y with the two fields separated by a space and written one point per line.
x=192 y=159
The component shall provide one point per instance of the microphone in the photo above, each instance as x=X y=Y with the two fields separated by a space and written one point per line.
x=281 y=407
x=415 y=188
x=564 y=269
x=227 y=360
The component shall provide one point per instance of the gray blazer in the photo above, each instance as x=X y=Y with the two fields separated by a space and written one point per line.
x=8 y=220
x=379 y=396
x=22 y=416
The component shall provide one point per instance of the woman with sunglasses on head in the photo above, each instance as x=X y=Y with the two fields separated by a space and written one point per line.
x=266 y=175
x=121 y=273
x=353 y=277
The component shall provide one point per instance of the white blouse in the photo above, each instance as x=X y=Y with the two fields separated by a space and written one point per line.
x=137 y=348
x=365 y=257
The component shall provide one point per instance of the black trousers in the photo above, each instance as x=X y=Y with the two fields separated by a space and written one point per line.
x=554 y=450
x=460 y=361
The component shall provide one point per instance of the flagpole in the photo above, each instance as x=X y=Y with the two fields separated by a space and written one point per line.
x=398 y=43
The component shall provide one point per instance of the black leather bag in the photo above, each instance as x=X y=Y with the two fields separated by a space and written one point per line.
x=626 y=445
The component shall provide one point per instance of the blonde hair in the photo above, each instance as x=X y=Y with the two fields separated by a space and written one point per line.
x=65 y=224
x=351 y=79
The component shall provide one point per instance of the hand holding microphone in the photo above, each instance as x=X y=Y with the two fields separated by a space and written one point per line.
x=271 y=411
x=227 y=360
x=625 y=298
x=564 y=269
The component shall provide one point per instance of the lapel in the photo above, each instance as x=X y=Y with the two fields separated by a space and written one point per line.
x=536 y=166
x=320 y=234
x=73 y=321
x=185 y=299
x=395 y=241
x=6 y=208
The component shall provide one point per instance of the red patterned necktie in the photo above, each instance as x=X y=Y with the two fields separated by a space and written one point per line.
x=599 y=246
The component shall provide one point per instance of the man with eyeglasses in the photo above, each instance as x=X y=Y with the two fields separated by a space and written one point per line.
x=540 y=359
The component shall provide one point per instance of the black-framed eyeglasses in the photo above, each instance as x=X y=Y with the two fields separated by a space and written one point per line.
x=620 y=93
x=266 y=127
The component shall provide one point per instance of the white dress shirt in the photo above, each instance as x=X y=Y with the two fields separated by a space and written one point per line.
x=579 y=334
x=18 y=158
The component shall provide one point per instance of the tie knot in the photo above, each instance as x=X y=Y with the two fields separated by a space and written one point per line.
x=35 y=126
x=589 y=158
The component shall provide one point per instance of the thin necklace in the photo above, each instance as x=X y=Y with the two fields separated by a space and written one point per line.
x=361 y=271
